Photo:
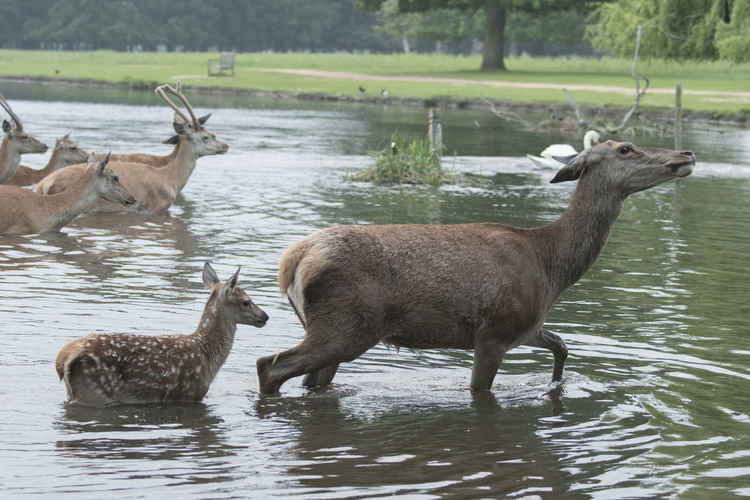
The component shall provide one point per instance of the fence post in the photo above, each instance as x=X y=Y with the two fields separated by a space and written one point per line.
x=678 y=117
x=435 y=130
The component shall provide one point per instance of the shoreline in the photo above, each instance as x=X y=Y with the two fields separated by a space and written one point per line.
x=740 y=118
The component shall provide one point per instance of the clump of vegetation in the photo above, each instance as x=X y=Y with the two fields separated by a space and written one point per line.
x=405 y=162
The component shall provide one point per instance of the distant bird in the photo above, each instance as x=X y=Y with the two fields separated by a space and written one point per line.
x=362 y=89
x=476 y=124
x=384 y=92
x=394 y=148
x=57 y=71
x=547 y=158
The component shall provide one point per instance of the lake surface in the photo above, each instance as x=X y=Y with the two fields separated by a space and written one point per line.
x=655 y=401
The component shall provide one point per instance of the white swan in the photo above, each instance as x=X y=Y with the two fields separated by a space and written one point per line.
x=547 y=157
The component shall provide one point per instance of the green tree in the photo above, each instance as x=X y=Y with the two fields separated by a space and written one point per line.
x=672 y=29
x=733 y=38
x=495 y=15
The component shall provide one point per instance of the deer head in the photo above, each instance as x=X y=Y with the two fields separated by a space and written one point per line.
x=203 y=142
x=626 y=168
x=70 y=151
x=108 y=184
x=15 y=133
x=235 y=303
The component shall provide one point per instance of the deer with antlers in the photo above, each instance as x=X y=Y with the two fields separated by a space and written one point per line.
x=15 y=143
x=155 y=188
x=66 y=152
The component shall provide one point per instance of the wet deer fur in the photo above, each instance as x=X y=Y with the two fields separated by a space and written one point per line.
x=110 y=369
x=23 y=211
x=484 y=286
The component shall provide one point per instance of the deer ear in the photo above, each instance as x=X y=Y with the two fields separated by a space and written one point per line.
x=6 y=126
x=203 y=119
x=102 y=165
x=234 y=278
x=179 y=127
x=573 y=168
x=172 y=140
x=209 y=276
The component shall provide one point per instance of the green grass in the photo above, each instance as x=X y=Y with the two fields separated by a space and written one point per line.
x=150 y=68
x=413 y=163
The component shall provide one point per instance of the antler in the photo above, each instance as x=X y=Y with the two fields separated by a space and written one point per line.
x=178 y=92
x=160 y=92
x=13 y=116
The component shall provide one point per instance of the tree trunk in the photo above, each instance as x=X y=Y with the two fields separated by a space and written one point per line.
x=494 y=35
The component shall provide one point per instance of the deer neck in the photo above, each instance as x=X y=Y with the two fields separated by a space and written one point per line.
x=56 y=162
x=10 y=157
x=573 y=242
x=181 y=165
x=215 y=335
x=61 y=208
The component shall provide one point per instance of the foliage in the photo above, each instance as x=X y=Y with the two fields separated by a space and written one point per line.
x=733 y=39
x=672 y=29
x=405 y=162
x=279 y=25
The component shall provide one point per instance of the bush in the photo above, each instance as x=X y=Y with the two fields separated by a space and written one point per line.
x=406 y=163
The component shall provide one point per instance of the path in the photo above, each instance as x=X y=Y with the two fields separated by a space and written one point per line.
x=496 y=83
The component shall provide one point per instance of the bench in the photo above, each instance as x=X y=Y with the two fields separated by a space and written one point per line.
x=218 y=65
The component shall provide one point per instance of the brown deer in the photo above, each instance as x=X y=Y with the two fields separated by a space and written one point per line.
x=155 y=188
x=104 y=370
x=486 y=286
x=23 y=211
x=156 y=160
x=66 y=152
x=15 y=143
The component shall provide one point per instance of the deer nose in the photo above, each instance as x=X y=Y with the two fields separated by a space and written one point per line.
x=689 y=154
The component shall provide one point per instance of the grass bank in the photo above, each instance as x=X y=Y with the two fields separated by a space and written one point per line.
x=721 y=84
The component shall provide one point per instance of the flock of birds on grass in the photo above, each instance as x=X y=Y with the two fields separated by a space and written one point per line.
x=350 y=286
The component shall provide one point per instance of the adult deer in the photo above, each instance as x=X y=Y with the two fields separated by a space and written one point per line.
x=15 y=143
x=155 y=188
x=156 y=160
x=103 y=370
x=484 y=286
x=66 y=152
x=23 y=211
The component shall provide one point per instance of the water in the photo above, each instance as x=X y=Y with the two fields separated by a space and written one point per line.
x=655 y=398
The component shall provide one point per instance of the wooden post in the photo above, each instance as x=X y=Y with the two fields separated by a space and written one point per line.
x=678 y=117
x=435 y=130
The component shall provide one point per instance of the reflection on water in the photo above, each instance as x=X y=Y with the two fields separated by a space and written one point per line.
x=653 y=404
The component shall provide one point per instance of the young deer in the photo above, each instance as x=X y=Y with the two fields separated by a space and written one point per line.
x=15 y=143
x=486 y=286
x=66 y=153
x=23 y=211
x=155 y=188
x=104 y=370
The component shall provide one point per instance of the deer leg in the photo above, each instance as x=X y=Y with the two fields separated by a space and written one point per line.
x=317 y=355
x=320 y=378
x=488 y=354
x=548 y=340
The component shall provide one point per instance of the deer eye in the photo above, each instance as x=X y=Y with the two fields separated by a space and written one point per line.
x=115 y=178
x=623 y=150
x=246 y=303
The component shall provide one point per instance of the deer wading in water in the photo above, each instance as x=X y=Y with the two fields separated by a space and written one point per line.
x=111 y=369
x=23 y=211
x=66 y=152
x=485 y=286
x=16 y=141
x=155 y=187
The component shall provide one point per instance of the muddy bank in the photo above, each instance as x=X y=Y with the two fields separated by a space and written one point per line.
x=553 y=112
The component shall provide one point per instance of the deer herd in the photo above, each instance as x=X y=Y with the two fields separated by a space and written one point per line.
x=484 y=286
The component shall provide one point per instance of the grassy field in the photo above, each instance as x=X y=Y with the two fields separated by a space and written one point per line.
x=252 y=71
